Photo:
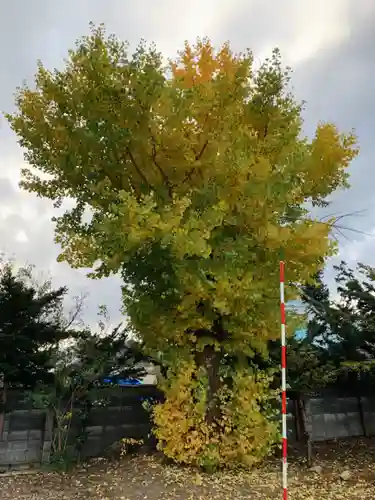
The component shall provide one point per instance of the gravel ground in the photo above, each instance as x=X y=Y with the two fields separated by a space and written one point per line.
x=147 y=477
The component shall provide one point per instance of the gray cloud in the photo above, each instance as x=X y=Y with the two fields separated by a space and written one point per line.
x=330 y=44
x=339 y=87
x=7 y=191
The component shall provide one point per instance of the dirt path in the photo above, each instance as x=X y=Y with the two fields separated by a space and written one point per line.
x=146 y=478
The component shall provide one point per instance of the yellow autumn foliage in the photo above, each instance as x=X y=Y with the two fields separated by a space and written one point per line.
x=191 y=180
x=243 y=436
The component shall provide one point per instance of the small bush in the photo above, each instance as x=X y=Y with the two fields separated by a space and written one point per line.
x=130 y=446
x=124 y=447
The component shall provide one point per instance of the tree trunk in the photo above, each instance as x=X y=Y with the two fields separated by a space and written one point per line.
x=3 y=400
x=297 y=418
x=308 y=441
x=210 y=360
x=86 y=407
x=362 y=416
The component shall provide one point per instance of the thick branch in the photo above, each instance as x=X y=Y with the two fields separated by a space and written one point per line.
x=139 y=171
x=199 y=155
x=121 y=177
x=160 y=170
x=264 y=132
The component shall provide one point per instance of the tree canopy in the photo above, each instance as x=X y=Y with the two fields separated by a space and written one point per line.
x=189 y=178
x=353 y=316
x=341 y=331
x=30 y=327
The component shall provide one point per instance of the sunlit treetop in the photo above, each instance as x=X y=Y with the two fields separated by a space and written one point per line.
x=190 y=178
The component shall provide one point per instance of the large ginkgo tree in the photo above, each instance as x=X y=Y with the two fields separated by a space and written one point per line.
x=191 y=178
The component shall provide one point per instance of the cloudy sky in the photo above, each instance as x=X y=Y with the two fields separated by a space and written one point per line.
x=329 y=43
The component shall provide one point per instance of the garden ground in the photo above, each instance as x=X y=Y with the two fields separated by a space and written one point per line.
x=146 y=477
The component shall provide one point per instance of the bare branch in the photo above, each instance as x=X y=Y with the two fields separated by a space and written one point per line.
x=353 y=230
x=76 y=311
x=333 y=225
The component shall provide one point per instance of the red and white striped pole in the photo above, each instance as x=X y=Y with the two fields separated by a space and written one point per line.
x=283 y=385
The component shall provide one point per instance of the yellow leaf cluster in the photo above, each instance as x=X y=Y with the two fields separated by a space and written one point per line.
x=244 y=435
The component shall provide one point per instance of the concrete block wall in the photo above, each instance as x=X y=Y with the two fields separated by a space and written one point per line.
x=331 y=418
x=369 y=415
x=22 y=438
x=26 y=436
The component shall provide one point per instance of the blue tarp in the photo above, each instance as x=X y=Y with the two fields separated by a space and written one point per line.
x=122 y=381
x=300 y=334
